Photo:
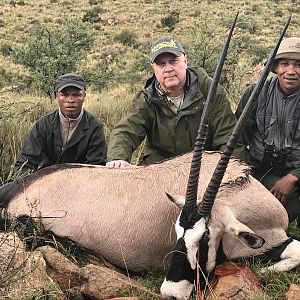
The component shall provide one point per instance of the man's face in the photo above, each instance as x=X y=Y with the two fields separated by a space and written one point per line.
x=70 y=101
x=288 y=72
x=170 y=71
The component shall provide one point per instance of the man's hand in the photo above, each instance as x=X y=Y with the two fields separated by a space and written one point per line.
x=117 y=164
x=283 y=187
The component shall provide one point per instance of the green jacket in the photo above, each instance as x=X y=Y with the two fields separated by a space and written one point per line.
x=170 y=134
x=43 y=146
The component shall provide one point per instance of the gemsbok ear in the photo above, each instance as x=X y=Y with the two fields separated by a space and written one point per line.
x=251 y=240
x=177 y=199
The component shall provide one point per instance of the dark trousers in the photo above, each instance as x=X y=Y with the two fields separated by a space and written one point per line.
x=292 y=203
x=5 y=190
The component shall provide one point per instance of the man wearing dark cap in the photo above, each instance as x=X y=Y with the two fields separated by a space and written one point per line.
x=70 y=134
x=168 y=111
x=273 y=130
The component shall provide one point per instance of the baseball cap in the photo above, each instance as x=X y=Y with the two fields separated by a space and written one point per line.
x=163 y=45
x=289 y=49
x=70 y=79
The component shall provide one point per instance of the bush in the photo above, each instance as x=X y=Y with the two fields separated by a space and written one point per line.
x=244 y=51
x=171 y=20
x=126 y=37
x=92 y=15
x=48 y=53
x=95 y=2
x=6 y=49
x=101 y=76
x=14 y=3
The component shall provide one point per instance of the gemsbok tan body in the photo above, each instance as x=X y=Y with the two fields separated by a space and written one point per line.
x=125 y=216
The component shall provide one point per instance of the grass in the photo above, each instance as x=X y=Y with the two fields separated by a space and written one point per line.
x=13 y=272
x=201 y=28
x=50 y=292
x=274 y=285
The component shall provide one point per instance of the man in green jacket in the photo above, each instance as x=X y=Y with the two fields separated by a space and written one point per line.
x=272 y=131
x=70 y=134
x=168 y=111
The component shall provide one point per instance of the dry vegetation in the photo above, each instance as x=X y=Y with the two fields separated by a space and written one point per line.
x=123 y=31
x=117 y=63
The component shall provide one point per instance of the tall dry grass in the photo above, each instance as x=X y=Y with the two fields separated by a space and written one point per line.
x=18 y=113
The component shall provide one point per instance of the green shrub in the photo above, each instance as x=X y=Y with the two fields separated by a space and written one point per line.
x=171 y=20
x=245 y=22
x=95 y=2
x=92 y=15
x=49 y=52
x=126 y=37
x=12 y=80
x=6 y=49
x=14 y=3
x=101 y=76
x=255 y=8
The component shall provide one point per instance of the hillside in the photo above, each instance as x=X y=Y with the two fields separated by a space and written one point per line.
x=111 y=46
x=113 y=52
x=124 y=29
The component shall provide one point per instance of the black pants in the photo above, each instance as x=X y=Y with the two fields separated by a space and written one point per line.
x=4 y=191
x=292 y=203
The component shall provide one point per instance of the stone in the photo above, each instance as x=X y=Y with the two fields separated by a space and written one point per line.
x=23 y=274
x=235 y=282
x=103 y=283
x=293 y=292
x=59 y=268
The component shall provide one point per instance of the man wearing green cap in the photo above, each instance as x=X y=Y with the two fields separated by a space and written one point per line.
x=70 y=134
x=168 y=111
x=272 y=132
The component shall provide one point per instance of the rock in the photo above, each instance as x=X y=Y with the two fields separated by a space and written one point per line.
x=235 y=282
x=46 y=271
x=59 y=268
x=293 y=293
x=109 y=58
x=103 y=283
x=23 y=274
